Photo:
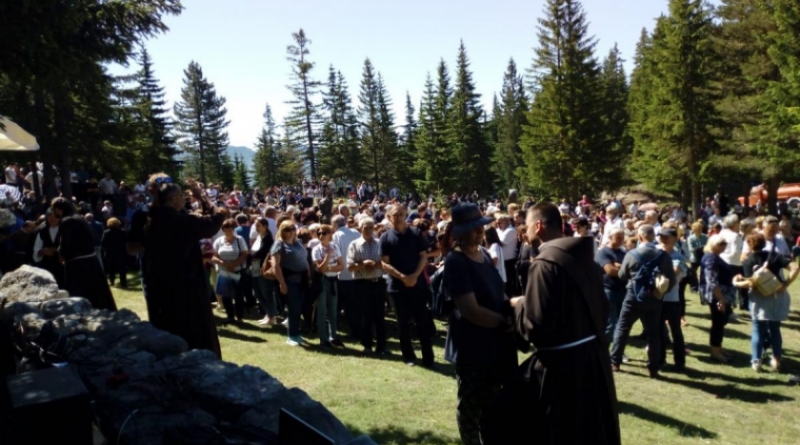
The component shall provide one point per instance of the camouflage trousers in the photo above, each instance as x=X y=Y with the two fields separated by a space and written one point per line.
x=477 y=387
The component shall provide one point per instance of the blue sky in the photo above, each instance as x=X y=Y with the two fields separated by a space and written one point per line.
x=241 y=44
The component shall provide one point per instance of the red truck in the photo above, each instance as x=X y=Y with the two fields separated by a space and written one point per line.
x=787 y=192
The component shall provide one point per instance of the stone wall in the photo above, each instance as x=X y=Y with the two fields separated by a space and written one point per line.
x=147 y=388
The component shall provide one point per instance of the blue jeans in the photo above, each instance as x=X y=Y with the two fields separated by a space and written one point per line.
x=615 y=298
x=650 y=313
x=766 y=330
x=327 y=303
x=294 y=299
x=264 y=290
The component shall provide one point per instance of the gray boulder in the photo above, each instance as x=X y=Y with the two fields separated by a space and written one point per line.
x=29 y=283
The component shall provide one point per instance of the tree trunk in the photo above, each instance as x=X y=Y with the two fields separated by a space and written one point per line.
x=772 y=195
x=45 y=142
x=696 y=198
x=62 y=119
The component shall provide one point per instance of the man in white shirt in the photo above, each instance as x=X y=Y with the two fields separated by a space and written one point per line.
x=715 y=219
x=509 y=238
x=614 y=221
x=343 y=237
x=678 y=214
x=563 y=207
x=651 y=218
x=733 y=252
x=633 y=209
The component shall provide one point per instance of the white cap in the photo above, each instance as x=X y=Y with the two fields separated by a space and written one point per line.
x=313 y=227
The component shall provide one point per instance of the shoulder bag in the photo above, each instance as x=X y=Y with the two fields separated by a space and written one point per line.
x=269 y=273
x=765 y=282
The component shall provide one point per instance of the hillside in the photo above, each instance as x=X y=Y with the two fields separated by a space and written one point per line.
x=245 y=152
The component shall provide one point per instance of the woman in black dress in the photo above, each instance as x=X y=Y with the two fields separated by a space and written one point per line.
x=113 y=252
x=480 y=339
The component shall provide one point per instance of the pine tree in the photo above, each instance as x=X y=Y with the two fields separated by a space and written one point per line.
x=339 y=155
x=407 y=149
x=435 y=162
x=388 y=142
x=618 y=144
x=562 y=141
x=757 y=43
x=465 y=134
x=304 y=119
x=266 y=162
x=290 y=157
x=200 y=125
x=509 y=116
x=158 y=150
x=240 y=174
x=369 y=119
x=681 y=111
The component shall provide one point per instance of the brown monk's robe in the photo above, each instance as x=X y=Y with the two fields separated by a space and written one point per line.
x=177 y=294
x=577 y=402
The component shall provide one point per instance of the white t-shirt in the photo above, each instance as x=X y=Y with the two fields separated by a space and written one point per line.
x=563 y=208
x=510 y=240
x=11 y=175
x=230 y=252
x=496 y=252
x=611 y=224
x=29 y=177
x=733 y=251
x=318 y=254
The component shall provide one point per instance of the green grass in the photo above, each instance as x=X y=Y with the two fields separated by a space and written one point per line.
x=395 y=404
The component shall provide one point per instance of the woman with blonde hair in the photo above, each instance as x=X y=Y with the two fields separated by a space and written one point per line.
x=113 y=253
x=716 y=287
x=291 y=272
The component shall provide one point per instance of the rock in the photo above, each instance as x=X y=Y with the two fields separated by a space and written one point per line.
x=29 y=283
x=67 y=306
x=297 y=402
x=16 y=311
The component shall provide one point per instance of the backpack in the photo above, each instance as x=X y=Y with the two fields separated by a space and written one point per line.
x=649 y=282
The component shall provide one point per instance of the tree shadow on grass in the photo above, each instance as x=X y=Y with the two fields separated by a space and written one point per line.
x=729 y=391
x=444 y=369
x=685 y=430
x=226 y=332
x=400 y=436
x=729 y=333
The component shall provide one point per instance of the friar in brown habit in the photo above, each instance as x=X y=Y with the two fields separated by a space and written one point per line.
x=565 y=393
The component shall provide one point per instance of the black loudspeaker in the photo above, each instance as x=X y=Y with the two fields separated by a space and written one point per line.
x=294 y=431
x=48 y=406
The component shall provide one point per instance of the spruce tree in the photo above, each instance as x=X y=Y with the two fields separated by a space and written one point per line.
x=266 y=162
x=369 y=119
x=388 y=143
x=407 y=149
x=436 y=163
x=618 y=144
x=562 y=141
x=339 y=144
x=304 y=120
x=240 y=173
x=157 y=151
x=465 y=135
x=290 y=157
x=200 y=126
x=680 y=112
x=509 y=116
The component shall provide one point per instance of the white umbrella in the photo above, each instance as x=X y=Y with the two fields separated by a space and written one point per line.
x=14 y=138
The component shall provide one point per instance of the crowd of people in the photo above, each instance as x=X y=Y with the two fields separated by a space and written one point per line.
x=331 y=258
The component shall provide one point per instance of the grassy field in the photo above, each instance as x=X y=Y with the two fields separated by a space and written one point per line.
x=710 y=404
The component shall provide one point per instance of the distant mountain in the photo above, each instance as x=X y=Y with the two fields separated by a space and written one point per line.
x=245 y=152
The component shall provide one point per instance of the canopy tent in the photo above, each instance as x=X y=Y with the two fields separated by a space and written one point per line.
x=14 y=138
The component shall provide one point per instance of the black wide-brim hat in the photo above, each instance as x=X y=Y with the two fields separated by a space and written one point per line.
x=466 y=217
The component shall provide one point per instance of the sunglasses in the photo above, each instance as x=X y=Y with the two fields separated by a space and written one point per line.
x=163 y=180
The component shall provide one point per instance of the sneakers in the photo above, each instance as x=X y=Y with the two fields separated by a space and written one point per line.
x=285 y=322
x=625 y=359
x=294 y=341
x=756 y=366
x=264 y=321
x=775 y=363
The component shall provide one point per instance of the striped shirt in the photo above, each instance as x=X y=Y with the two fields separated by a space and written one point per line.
x=361 y=250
